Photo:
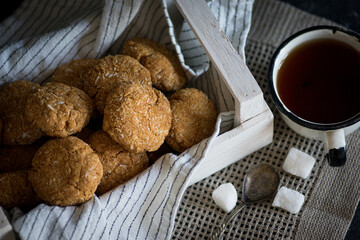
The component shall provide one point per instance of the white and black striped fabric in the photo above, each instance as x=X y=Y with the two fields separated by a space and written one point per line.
x=43 y=34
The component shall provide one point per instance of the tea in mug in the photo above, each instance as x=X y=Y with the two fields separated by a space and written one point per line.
x=319 y=81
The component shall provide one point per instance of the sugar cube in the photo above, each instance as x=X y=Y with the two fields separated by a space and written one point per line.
x=298 y=163
x=225 y=196
x=289 y=200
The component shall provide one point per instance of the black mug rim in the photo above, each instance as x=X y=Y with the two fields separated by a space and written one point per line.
x=280 y=105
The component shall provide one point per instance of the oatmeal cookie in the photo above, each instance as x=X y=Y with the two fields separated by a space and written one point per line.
x=72 y=73
x=17 y=129
x=119 y=165
x=109 y=71
x=138 y=117
x=59 y=110
x=164 y=66
x=65 y=171
x=16 y=190
x=14 y=158
x=194 y=118
x=13 y=97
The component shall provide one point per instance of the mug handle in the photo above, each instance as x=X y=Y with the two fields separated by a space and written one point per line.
x=335 y=147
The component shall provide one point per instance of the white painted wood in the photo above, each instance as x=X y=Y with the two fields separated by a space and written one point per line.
x=253 y=119
x=236 y=144
x=248 y=96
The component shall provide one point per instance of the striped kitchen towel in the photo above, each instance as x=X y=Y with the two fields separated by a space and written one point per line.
x=44 y=34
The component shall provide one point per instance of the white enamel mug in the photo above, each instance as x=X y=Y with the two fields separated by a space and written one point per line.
x=333 y=134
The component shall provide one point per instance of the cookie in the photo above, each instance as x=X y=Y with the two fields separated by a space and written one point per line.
x=119 y=165
x=72 y=73
x=14 y=158
x=165 y=68
x=138 y=117
x=16 y=190
x=65 y=171
x=13 y=97
x=194 y=118
x=17 y=129
x=109 y=71
x=59 y=110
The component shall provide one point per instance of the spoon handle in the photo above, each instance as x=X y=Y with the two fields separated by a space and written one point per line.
x=217 y=233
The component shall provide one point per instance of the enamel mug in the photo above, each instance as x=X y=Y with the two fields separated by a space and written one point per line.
x=333 y=133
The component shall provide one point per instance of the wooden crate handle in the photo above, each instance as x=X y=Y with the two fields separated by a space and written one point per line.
x=249 y=100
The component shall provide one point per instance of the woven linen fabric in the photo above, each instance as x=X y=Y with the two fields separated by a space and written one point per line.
x=44 y=34
x=331 y=194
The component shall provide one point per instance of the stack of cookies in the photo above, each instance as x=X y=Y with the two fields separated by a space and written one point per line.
x=96 y=124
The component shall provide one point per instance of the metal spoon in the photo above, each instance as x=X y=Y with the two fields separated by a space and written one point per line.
x=260 y=183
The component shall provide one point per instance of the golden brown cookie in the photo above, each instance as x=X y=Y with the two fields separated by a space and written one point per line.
x=16 y=190
x=194 y=118
x=119 y=165
x=59 y=110
x=14 y=96
x=17 y=129
x=14 y=158
x=65 y=171
x=164 y=66
x=138 y=117
x=72 y=73
x=109 y=71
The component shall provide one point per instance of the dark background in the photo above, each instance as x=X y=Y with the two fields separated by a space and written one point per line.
x=344 y=12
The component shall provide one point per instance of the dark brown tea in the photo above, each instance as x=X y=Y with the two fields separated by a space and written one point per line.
x=319 y=81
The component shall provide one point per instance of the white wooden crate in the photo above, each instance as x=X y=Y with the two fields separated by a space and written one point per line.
x=253 y=125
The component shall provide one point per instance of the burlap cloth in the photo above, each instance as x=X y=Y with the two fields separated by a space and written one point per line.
x=332 y=194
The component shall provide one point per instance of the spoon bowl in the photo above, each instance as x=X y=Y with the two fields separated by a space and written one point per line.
x=260 y=183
